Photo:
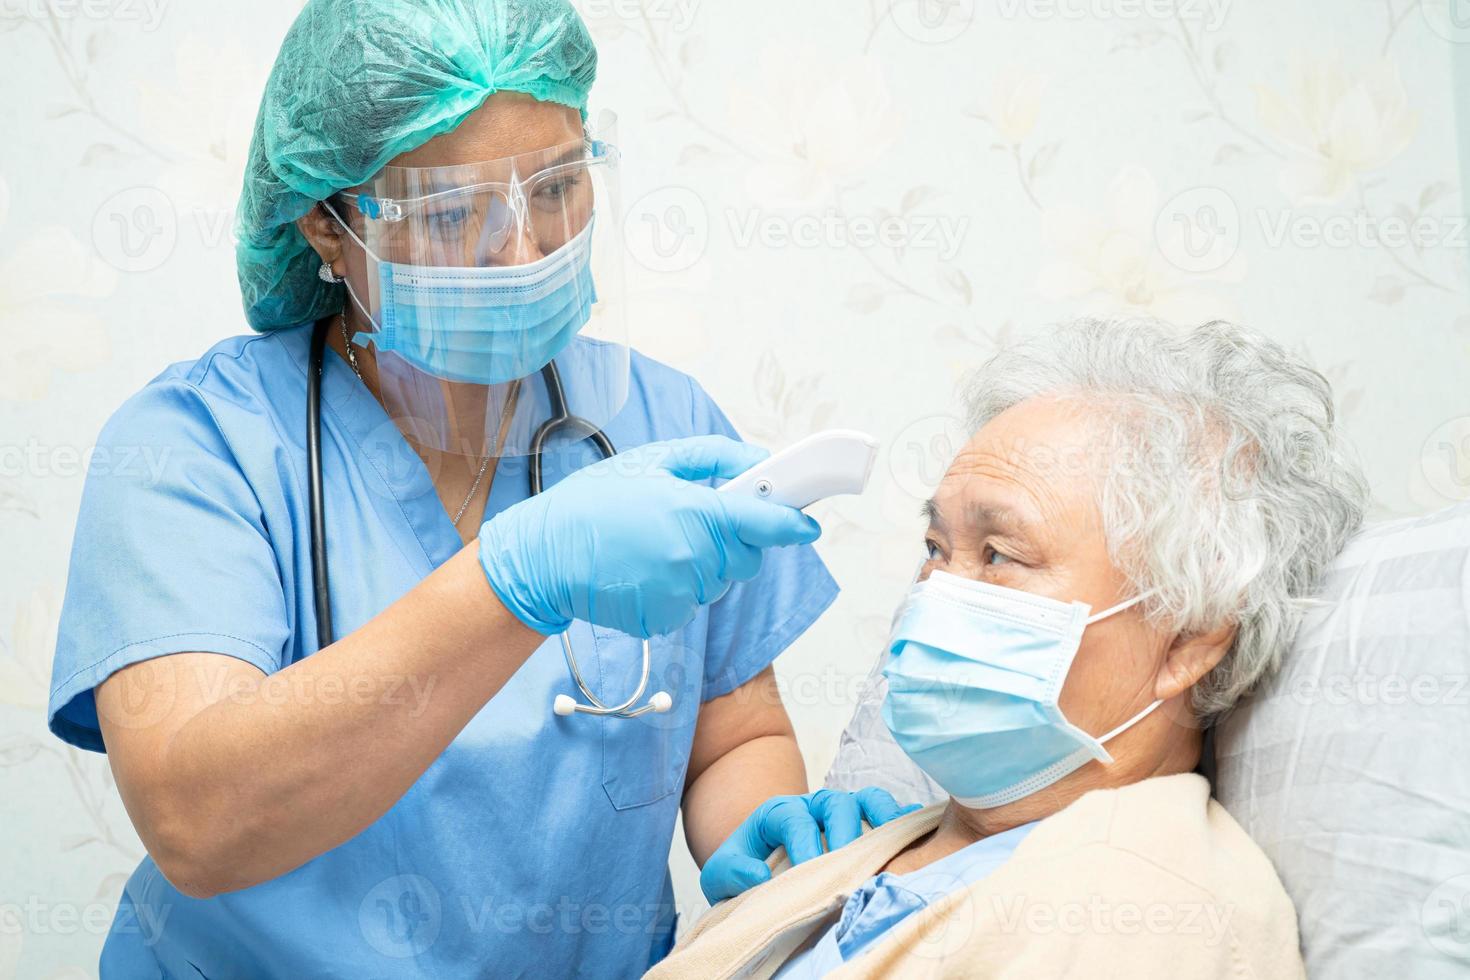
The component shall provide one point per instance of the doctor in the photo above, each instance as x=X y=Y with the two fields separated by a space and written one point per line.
x=376 y=784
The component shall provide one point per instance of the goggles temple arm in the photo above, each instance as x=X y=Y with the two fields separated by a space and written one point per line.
x=374 y=207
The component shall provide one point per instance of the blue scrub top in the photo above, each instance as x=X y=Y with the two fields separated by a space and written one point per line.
x=535 y=845
x=886 y=899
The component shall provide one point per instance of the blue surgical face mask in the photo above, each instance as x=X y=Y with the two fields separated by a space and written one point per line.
x=973 y=688
x=483 y=324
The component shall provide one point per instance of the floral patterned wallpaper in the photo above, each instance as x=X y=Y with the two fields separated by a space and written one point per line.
x=833 y=210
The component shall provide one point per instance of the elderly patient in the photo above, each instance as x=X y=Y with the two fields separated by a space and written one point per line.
x=1118 y=554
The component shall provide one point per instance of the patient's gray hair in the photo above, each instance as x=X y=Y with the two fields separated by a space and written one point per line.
x=1228 y=486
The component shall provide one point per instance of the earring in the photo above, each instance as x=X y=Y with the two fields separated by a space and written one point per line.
x=325 y=273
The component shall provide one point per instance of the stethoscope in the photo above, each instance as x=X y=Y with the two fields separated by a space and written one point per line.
x=560 y=419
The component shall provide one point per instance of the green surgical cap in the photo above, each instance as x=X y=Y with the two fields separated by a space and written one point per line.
x=358 y=82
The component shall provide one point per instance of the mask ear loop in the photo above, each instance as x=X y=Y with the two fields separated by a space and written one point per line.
x=1110 y=611
x=1114 y=610
x=327 y=205
x=347 y=280
x=1129 y=723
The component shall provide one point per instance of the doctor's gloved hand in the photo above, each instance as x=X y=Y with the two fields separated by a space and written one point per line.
x=634 y=543
x=796 y=823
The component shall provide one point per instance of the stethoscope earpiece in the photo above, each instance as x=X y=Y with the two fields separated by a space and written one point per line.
x=564 y=704
x=658 y=703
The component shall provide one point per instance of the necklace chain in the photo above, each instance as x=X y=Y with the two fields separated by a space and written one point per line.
x=484 y=463
x=474 y=489
x=347 y=343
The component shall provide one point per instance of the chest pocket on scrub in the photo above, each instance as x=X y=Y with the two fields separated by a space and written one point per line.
x=644 y=758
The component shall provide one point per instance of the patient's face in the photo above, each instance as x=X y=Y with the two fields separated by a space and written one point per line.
x=1018 y=508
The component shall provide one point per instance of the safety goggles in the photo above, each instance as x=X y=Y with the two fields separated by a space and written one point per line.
x=448 y=216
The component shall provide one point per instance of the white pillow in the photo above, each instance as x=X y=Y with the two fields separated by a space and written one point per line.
x=1351 y=767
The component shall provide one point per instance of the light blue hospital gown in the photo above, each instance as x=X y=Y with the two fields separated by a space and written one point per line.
x=886 y=899
x=535 y=845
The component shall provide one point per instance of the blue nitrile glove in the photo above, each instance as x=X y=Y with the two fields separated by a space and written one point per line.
x=631 y=543
x=796 y=823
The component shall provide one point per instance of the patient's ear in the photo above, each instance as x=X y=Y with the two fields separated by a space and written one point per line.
x=1190 y=658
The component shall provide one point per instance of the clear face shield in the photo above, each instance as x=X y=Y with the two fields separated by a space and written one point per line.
x=491 y=295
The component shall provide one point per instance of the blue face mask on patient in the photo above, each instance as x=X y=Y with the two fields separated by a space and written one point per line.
x=484 y=324
x=973 y=688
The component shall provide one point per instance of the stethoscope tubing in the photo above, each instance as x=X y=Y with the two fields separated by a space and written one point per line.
x=560 y=418
x=323 y=594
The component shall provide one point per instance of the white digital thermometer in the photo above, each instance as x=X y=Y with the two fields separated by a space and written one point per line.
x=821 y=465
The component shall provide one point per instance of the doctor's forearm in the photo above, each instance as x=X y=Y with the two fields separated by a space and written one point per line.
x=269 y=772
x=732 y=787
